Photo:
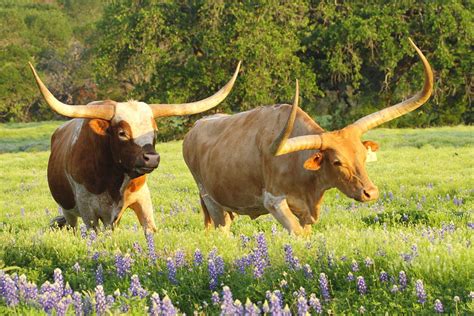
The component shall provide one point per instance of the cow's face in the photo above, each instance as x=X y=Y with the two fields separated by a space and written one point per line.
x=342 y=160
x=132 y=133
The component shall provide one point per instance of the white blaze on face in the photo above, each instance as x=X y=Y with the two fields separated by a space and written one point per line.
x=140 y=118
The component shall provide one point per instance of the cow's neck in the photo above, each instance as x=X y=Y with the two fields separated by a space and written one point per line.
x=95 y=167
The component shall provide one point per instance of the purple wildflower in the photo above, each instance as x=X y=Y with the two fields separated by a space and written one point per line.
x=274 y=230
x=59 y=280
x=83 y=230
x=110 y=301
x=100 y=302
x=76 y=267
x=95 y=256
x=438 y=306
x=227 y=306
x=67 y=290
x=350 y=277
x=361 y=286
x=99 y=275
x=315 y=304
x=180 y=259
x=171 y=270
x=283 y=284
x=211 y=267
x=420 y=291
x=354 y=266
x=10 y=291
x=470 y=225
x=155 y=306
x=198 y=257
x=136 y=288
x=402 y=280
x=244 y=240
x=242 y=263
x=215 y=299
x=308 y=273
x=383 y=276
x=302 y=306
x=291 y=260
x=394 y=289
x=368 y=262
x=265 y=307
x=275 y=304
x=362 y=310
x=251 y=309
x=77 y=303
x=151 y=248
x=62 y=306
x=238 y=308
x=324 y=286
x=123 y=264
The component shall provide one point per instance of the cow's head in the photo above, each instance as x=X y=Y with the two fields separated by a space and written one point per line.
x=130 y=126
x=341 y=155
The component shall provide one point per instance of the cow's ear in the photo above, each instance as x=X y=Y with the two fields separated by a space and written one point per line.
x=314 y=162
x=99 y=126
x=370 y=144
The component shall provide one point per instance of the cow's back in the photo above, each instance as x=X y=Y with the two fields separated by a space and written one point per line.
x=230 y=158
x=61 y=145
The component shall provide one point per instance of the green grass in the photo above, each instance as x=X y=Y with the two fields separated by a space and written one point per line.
x=419 y=173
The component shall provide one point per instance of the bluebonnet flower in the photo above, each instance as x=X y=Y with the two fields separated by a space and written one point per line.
x=361 y=286
x=93 y=236
x=260 y=254
x=238 y=308
x=324 y=286
x=283 y=284
x=362 y=310
x=211 y=267
x=438 y=306
x=198 y=259
x=95 y=256
x=259 y=268
x=315 y=304
x=350 y=276
x=383 y=276
x=167 y=307
x=59 y=280
x=368 y=262
x=151 y=248
x=292 y=261
x=275 y=303
x=308 y=272
x=10 y=291
x=83 y=230
x=155 y=307
x=30 y=292
x=215 y=299
x=219 y=262
x=354 y=266
x=244 y=240
x=171 y=270
x=100 y=302
x=274 y=230
x=265 y=307
x=302 y=306
x=420 y=291
x=402 y=280
x=77 y=303
x=67 y=290
x=330 y=260
x=99 y=275
x=123 y=264
x=179 y=258
x=251 y=309
x=242 y=263
x=227 y=306
x=48 y=300
x=62 y=306
x=470 y=225
x=136 y=288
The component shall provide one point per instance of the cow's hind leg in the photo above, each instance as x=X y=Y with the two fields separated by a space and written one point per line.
x=221 y=218
x=66 y=220
x=278 y=207
x=207 y=217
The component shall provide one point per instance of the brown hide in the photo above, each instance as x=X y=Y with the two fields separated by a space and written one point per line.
x=230 y=158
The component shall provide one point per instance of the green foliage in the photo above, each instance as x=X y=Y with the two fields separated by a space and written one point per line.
x=419 y=172
x=351 y=57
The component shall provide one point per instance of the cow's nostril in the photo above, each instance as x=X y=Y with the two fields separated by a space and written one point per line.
x=145 y=157
x=366 y=194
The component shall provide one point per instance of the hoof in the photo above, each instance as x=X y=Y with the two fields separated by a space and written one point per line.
x=58 y=222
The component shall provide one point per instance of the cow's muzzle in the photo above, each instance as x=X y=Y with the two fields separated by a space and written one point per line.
x=369 y=193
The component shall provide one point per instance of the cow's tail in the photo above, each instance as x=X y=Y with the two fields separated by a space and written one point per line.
x=207 y=216
x=58 y=222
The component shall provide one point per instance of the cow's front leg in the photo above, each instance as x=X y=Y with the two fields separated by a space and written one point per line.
x=278 y=207
x=143 y=208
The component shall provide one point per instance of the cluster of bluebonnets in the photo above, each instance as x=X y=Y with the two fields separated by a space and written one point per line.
x=57 y=297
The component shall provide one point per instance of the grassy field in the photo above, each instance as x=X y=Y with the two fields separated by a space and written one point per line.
x=421 y=229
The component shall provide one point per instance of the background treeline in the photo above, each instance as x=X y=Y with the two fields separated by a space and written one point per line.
x=351 y=57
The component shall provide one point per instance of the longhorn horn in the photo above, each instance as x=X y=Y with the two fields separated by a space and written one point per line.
x=160 y=110
x=284 y=145
x=105 y=112
x=375 y=119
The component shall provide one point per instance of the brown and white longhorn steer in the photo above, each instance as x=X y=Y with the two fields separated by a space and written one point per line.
x=246 y=163
x=99 y=160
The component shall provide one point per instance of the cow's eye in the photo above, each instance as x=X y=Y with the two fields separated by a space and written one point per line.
x=337 y=163
x=122 y=134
